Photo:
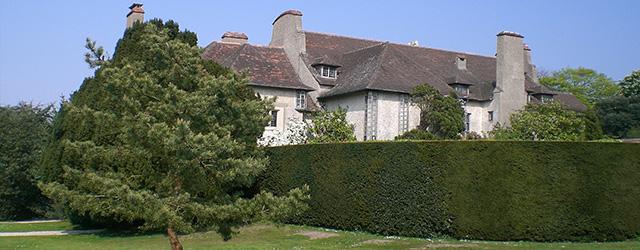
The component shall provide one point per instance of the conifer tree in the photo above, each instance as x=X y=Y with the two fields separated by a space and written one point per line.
x=160 y=137
x=440 y=115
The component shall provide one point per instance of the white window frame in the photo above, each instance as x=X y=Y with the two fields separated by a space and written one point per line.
x=462 y=90
x=274 y=119
x=301 y=99
x=328 y=71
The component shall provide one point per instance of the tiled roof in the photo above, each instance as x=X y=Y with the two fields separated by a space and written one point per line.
x=376 y=65
x=371 y=65
x=383 y=67
x=399 y=67
x=569 y=100
x=265 y=66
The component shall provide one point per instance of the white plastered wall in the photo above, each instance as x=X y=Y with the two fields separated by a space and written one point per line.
x=480 y=117
x=285 y=104
x=355 y=106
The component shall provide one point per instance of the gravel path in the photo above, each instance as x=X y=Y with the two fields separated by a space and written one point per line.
x=50 y=233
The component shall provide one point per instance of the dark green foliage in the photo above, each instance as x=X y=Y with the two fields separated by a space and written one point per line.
x=549 y=121
x=586 y=84
x=416 y=134
x=630 y=85
x=592 y=125
x=440 y=115
x=619 y=115
x=492 y=190
x=24 y=131
x=160 y=138
x=331 y=126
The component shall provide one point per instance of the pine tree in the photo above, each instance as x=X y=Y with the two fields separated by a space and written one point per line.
x=164 y=139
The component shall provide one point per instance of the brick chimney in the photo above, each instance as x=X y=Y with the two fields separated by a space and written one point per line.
x=234 y=37
x=136 y=14
x=510 y=95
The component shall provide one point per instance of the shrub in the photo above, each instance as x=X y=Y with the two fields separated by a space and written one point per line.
x=331 y=126
x=549 y=121
x=471 y=135
x=417 y=134
x=491 y=190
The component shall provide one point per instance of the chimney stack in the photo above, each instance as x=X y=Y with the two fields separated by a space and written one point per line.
x=234 y=37
x=136 y=14
x=461 y=62
x=510 y=95
x=529 y=68
x=287 y=32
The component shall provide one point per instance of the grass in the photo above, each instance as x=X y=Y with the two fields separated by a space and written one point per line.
x=273 y=236
x=22 y=227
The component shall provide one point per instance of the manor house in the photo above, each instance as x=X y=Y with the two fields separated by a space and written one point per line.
x=310 y=71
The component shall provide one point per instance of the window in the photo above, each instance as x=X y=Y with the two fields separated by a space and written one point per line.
x=546 y=98
x=328 y=71
x=274 y=119
x=461 y=90
x=301 y=99
x=403 y=115
x=490 y=116
x=467 y=122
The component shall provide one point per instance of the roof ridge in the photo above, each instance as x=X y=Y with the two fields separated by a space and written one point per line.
x=396 y=43
x=378 y=64
x=365 y=48
x=426 y=69
x=234 y=58
x=247 y=44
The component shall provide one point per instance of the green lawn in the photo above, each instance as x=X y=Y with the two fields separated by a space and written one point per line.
x=13 y=227
x=271 y=236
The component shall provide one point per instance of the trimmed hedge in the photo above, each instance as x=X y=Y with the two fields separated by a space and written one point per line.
x=490 y=190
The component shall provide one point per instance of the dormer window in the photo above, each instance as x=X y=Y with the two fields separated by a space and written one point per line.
x=461 y=90
x=328 y=71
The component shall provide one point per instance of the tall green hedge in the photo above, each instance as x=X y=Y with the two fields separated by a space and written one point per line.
x=542 y=191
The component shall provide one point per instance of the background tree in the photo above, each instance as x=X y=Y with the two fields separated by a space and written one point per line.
x=440 y=115
x=161 y=138
x=331 y=126
x=24 y=130
x=630 y=85
x=587 y=85
x=620 y=116
x=551 y=121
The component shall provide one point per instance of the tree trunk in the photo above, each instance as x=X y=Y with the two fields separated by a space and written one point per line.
x=173 y=239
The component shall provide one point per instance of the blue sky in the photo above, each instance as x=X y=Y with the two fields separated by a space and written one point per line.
x=41 y=42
